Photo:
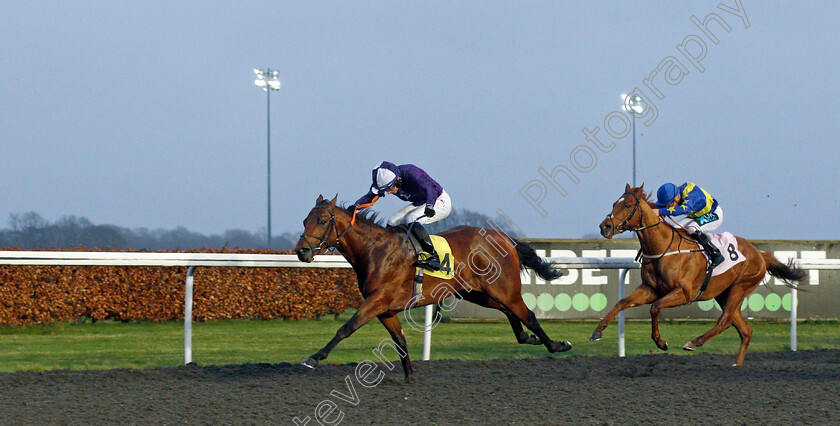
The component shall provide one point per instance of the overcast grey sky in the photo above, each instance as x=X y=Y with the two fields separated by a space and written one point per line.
x=144 y=114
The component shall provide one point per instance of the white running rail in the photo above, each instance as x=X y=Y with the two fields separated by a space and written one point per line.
x=193 y=260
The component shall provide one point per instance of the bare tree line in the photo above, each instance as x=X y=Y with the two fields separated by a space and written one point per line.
x=32 y=231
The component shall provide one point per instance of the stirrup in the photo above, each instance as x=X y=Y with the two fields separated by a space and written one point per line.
x=432 y=263
x=715 y=256
x=715 y=260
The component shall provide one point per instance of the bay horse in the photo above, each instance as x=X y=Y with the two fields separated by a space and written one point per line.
x=383 y=259
x=674 y=268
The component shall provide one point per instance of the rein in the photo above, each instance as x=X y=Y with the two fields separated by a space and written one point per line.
x=640 y=255
x=667 y=253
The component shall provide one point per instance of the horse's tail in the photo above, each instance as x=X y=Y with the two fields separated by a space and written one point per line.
x=790 y=274
x=528 y=258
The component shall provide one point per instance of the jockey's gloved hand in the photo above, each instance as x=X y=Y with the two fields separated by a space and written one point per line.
x=430 y=211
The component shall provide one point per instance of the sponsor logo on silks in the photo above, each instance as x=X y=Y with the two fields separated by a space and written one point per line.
x=707 y=218
x=445 y=256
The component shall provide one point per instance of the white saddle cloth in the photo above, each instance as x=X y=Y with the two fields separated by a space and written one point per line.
x=728 y=246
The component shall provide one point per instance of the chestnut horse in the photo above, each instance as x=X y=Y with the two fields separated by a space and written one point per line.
x=383 y=260
x=674 y=268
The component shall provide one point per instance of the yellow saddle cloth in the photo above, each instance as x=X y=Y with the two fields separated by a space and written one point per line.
x=444 y=255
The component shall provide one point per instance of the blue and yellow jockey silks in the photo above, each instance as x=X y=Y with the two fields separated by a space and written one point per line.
x=695 y=202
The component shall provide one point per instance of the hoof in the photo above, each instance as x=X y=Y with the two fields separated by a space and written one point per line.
x=562 y=346
x=596 y=336
x=689 y=346
x=310 y=363
x=559 y=346
x=663 y=346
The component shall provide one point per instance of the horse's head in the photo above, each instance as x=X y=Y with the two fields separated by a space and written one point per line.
x=319 y=230
x=626 y=213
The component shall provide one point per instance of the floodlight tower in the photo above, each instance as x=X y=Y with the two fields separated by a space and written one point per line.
x=268 y=80
x=633 y=105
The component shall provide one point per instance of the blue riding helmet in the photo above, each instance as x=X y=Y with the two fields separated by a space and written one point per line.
x=666 y=194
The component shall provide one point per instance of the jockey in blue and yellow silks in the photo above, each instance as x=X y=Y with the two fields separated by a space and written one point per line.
x=702 y=212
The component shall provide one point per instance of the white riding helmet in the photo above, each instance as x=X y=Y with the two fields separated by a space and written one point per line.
x=383 y=177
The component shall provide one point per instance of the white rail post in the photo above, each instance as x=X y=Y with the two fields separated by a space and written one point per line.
x=793 y=319
x=621 y=281
x=188 y=302
x=427 y=332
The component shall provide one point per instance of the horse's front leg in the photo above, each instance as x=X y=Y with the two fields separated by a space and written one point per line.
x=643 y=295
x=370 y=309
x=677 y=297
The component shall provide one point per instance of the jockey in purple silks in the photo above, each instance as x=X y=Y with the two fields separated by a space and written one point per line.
x=429 y=202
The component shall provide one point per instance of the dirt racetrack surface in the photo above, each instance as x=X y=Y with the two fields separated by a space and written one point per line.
x=770 y=388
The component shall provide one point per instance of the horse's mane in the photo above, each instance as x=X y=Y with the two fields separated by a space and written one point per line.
x=366 y=216
x=646 y=198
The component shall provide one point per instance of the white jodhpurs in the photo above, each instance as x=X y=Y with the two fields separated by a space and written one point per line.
x=706 y=223
x=412 y=213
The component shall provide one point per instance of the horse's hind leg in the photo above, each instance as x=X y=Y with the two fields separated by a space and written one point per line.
x=522 y=337
x=723 y=322
x=392 y=324
x=522 y=313
x=730 y=301
x=746 y=335
x=481 y=299
x=506 y=292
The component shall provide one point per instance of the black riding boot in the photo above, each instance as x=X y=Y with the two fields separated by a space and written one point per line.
x=714 y=253
x=433 y=262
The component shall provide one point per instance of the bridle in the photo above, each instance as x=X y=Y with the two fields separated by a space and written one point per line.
x=324 y=239
x=623 y=223
x=640 y=255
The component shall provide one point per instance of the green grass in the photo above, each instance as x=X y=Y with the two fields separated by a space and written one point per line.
x=148 y=345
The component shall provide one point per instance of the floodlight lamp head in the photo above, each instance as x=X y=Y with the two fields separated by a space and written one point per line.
x=632 y=104
x=635 y=104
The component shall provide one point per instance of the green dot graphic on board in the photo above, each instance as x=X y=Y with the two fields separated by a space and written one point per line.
x=580 y=302
x=598 y=302
x=530 y=300
x=786 y=302
x=756 y=302
x=706 y=305
x=545 y=302
x=773 y=302
x=563 y=302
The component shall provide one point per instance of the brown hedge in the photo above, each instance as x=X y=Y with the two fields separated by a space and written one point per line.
x=43 y=294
